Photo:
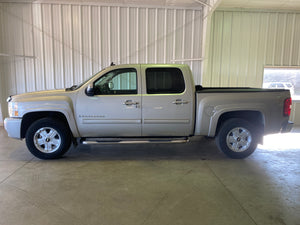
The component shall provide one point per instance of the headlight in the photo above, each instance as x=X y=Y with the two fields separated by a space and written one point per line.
x=13 y=109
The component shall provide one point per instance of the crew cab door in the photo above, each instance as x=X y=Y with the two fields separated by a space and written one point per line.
x=115 y=108
x=167 y=101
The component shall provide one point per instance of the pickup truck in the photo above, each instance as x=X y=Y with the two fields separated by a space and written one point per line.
x=146 y=103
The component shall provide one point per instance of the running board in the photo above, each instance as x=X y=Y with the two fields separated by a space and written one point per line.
x=93 y=141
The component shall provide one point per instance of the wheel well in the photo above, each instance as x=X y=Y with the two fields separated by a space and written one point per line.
x=254 y=117
x=30 y=118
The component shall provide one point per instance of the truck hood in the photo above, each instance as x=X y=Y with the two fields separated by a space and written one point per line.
x=56 y=100
x=36 y=95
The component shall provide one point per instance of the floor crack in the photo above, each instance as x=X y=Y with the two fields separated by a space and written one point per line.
x=231 y=194
x=14 y=172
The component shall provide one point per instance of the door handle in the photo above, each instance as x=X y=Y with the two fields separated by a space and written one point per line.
x=131 y=103
x=180 y=102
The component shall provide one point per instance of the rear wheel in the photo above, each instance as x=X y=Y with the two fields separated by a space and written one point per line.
x=237 y=138
x=48 y=138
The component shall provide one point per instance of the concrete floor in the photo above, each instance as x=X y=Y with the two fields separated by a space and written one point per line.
x=149 y=184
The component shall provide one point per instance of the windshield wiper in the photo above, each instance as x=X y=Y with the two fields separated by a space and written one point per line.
x=71 y=88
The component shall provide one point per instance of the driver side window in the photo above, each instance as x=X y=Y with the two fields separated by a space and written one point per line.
x=117 y=82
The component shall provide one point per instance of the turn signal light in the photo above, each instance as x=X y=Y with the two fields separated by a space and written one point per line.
x=287 y=107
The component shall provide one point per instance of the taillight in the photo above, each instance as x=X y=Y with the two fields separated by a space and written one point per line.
x=287 y=107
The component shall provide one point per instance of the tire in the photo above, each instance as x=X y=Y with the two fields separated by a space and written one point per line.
x=48 y=138
x=237 y=138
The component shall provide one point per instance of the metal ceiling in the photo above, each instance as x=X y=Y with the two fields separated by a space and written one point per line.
x=255 y=4
x=293 y=5
x=153 y=3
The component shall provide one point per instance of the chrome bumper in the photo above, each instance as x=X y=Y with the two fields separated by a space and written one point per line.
x=287 y=127
x=13 y=127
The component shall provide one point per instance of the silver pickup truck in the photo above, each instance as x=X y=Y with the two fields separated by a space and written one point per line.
x=146 y=103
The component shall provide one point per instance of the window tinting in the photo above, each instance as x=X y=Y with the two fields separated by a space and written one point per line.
x=164 y=81
x=117 y=82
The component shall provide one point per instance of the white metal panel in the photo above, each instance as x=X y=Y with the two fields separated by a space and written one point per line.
x=64 y=44
x=242 y=43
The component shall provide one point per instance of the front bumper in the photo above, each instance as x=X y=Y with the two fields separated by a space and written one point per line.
x=13 y=127
x=287 y=127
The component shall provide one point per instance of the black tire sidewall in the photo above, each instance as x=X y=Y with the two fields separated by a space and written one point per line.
x=226 y=127
x=59 y=126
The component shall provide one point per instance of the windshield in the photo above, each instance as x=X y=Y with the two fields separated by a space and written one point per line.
x=75 y=87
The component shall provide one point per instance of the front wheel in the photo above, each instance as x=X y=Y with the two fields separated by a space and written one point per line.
x=48 y=138
x=237 y=138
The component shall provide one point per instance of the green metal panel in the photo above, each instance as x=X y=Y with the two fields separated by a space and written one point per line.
x=243 y=42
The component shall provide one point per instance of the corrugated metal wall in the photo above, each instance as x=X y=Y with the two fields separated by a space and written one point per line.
x=65 y=44
x=242 y=43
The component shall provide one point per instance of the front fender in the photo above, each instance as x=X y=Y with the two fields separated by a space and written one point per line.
x=60 y=104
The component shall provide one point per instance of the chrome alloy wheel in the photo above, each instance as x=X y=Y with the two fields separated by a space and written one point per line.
x=239 y=139
x=47 y=140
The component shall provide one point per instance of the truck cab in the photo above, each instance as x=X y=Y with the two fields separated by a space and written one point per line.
x=139 y=100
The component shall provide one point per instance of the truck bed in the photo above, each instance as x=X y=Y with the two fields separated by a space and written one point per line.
x=200 y=89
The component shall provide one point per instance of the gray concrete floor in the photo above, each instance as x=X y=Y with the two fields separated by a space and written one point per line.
x=149 y=184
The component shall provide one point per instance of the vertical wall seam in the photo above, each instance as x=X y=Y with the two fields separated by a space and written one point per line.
x=299 y=54
x=239 y=59
x=119 y=35
x=33 y=48
x=165 y=34
x=147 y=20
x=128 y=37
x=44 y=40
x=100 y=38
x=24 y=53
x=266 y=41
x=183 y=35
x=156 y=37
x=257 y=46
x=192 y=38
x=275 y=40
x=43 y=48
x=91 y=60
x=248 y=56
x=109 y=35
x=63 y=46
x=283 y=39
x=137 y=34
x=81 y=47
x=221 y=52
x=174 y=34
x=53 y=49
x=212 y=47
x=230 y=44
x=292 y=39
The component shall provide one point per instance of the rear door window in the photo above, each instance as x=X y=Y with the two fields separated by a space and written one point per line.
x=164 y=81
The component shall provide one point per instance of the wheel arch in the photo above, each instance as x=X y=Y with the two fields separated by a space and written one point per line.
x=252 y=116
x=31 y=117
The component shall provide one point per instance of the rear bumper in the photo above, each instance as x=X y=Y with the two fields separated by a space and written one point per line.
x=287 y=127
x=13 y=127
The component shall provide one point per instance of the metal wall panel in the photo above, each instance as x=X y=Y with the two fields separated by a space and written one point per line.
x=63 y=44
x=242 y=43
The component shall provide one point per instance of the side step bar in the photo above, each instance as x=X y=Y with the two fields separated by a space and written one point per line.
x=93 y=141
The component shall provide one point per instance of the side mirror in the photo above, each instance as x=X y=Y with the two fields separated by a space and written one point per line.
x=111 y=85
x=89 y=91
